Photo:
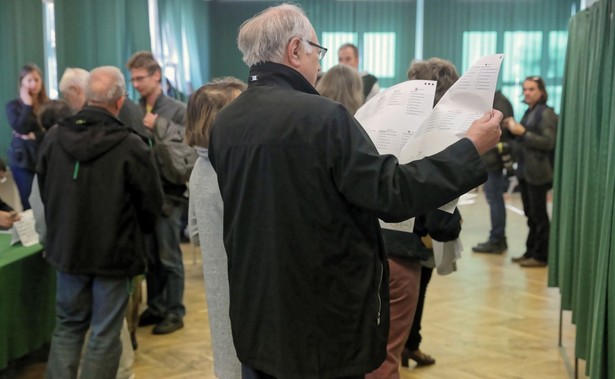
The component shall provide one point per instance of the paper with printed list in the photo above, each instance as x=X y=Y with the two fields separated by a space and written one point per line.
x=391 y=119
x=24 y=230
x=401 y=121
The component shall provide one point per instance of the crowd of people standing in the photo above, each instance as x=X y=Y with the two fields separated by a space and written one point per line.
x=285 y=195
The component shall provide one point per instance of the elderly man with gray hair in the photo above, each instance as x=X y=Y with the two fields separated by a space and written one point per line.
x=303 y=188
x=72 y=87
x=101 y=192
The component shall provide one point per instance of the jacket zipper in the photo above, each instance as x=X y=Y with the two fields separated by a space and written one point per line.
x=378 y=293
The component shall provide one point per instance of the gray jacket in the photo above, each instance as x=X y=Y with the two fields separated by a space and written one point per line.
x=170 y=125
x=205 y=225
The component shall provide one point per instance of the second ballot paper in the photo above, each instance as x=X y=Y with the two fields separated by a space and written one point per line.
x=401 y=121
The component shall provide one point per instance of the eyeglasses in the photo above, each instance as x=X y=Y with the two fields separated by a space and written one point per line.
x=139 y=78
x=322 y=51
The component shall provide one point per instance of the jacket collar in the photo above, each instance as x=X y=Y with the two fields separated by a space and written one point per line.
x=276 y=74
x=97 y=114
x=159 y=99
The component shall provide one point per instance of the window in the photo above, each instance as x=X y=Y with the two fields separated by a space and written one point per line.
x=524 y=55
x=333 y=41
x=476 y=45
x=378 y=56
x=51 y=65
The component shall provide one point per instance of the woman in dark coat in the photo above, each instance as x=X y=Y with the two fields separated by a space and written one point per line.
x=27 y=133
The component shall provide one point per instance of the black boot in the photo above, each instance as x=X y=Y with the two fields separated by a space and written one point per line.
x=491 y=246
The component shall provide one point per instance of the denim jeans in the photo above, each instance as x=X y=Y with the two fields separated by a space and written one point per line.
x=82 y=302
x=494 y=192
x=23 y=180
x=165 y=280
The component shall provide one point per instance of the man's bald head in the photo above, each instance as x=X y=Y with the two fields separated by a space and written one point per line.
x=105 y=88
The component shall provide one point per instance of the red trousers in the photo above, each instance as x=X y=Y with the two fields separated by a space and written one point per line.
x=404 y=282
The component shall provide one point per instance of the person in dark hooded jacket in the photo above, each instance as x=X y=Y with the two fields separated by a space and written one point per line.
x=101 y=192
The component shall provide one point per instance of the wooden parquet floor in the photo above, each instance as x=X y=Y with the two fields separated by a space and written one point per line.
x=492 y=319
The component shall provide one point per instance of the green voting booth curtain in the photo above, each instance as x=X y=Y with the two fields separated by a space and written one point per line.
x=582 y=248
x=21 y=33
x=92 y=33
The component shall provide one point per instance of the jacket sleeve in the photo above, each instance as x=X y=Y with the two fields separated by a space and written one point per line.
x=145 y=187
x=394 y=192
x=21 y=118
x=4 y=206
x=543 y=138
x=442 y=226
x=171 y=130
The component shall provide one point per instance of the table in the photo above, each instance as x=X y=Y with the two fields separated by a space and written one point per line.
x=27 y=300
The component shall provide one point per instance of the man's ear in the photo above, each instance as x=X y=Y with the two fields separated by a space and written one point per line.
x=157 y=75
x=293 y=50
x=119 y=103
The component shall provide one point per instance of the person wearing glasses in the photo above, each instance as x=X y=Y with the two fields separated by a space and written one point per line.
x=534 y=136
x=348 y=54
x=165 y=118
x=303 y=187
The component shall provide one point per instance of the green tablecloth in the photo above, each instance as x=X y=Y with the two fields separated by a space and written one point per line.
x=27 y=300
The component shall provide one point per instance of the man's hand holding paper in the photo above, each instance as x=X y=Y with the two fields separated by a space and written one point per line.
x=485 y=132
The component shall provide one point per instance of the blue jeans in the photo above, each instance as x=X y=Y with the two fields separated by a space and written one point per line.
x=82 y=302
x=165 y=283
x=494 y=192
x=23 y=180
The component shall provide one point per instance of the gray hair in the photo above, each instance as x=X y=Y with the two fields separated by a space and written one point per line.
x=73 y=77
x=265 y=36
x=105 y=85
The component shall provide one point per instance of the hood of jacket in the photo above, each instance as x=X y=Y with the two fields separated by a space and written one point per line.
x=90 y=133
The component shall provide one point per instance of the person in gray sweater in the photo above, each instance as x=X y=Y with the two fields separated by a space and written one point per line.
x=205 y=219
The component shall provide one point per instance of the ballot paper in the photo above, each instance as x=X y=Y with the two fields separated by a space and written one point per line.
x=467 y=100
x=393 y=117
x=23 y=230
x=401 y=121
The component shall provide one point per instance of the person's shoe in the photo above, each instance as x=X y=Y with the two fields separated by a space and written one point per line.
x=518 y=259
x=531 y=262
x=418 y=356
x=149 y=318
x=491 y=246
x=170 y=324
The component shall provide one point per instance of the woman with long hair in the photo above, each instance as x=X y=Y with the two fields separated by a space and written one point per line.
x=22 y=114
x=205 y=218
x=344 y=85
